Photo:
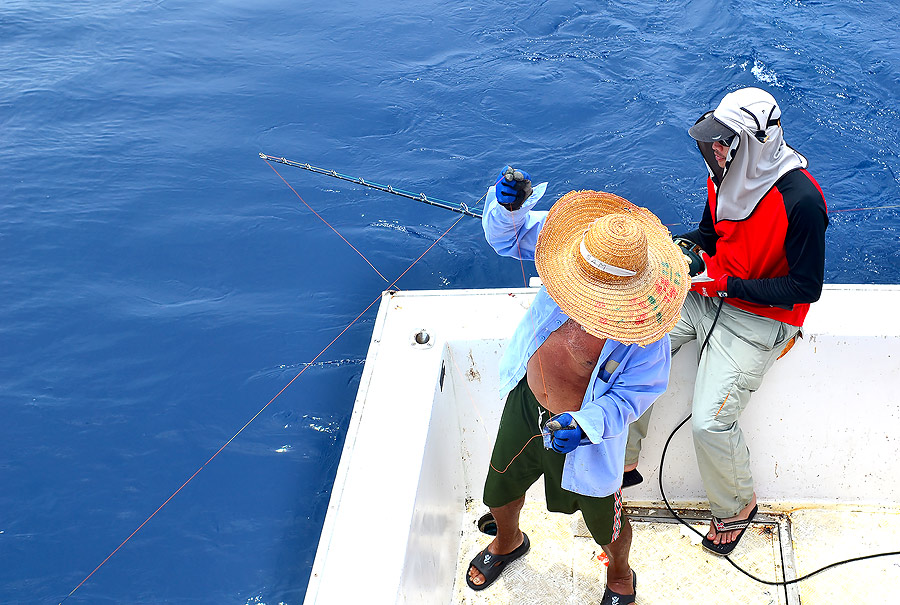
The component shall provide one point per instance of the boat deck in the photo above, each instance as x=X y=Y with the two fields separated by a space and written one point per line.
x=565 y=566
x=824 y=432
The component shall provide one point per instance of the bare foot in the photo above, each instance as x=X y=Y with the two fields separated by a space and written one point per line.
x=496 y=548
x=730 y=536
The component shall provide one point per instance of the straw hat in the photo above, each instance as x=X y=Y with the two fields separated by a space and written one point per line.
x=612 y=267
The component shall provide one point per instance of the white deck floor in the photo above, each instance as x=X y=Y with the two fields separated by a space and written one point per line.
x=562 y=566
x=823 y=430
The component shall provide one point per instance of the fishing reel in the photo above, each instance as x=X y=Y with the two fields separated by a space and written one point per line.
x=511 y=174
x=554 y=425
x=694 y=254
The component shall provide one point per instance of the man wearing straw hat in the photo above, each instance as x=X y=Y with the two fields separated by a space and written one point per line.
x=590 y=355
x=762 y=237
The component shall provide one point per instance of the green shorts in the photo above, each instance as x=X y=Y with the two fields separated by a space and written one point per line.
x=508 y=479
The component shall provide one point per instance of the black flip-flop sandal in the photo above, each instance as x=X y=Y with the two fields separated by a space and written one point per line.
x=491 y=565
x=725 y=549
x=614 y=598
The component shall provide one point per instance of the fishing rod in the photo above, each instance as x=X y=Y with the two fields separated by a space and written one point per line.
x=421 y=197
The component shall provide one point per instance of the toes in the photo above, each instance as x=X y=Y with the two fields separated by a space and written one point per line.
x=719 y=538
x=476 y=576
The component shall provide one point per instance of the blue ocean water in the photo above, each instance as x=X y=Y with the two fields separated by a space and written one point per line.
x=161 y=284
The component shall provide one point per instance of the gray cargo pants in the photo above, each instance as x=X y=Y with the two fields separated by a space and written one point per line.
x=742 y=347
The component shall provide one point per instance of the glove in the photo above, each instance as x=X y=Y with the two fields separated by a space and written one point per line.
x=513 y=188
x=565 y=434
x=716 y=282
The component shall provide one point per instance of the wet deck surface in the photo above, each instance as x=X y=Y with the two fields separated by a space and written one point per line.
x=563 y=567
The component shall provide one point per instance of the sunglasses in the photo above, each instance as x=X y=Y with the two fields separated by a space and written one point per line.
x=726 y=141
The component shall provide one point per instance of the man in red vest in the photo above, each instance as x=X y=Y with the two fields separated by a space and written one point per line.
x=762 y=240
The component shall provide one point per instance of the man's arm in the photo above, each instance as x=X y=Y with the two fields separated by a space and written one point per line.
x=513 y=233
x=644 y=378
x=804 y=249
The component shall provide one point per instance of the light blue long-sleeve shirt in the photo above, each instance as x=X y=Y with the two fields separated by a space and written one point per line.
x=613 y=400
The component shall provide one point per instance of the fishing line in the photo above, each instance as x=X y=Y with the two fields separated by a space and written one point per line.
x=483 y=423
x=662 y=461
x=204 y=465
x=283 y=389
x=478 y=413
x=324 y=221
x=511 y=460
x=830 y=211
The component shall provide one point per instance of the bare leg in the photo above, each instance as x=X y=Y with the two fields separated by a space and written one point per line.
x=509 y=537
x=730 y=536
x=630 y=467
x=618 y=575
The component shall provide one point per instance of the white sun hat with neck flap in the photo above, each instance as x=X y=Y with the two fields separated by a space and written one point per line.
x=757 y=156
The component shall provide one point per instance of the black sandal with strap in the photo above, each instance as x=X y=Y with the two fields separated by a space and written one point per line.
x=491 y=565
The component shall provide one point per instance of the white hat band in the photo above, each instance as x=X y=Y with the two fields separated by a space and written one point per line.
x=599 y=264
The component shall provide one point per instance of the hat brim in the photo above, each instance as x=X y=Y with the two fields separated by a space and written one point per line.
x=709 y=129
x=639 y=309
